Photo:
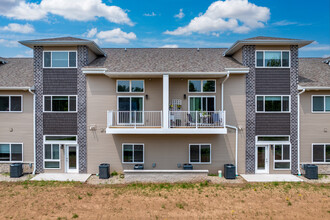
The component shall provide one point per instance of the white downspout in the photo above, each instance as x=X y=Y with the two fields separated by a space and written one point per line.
x=222 y=85
x=34 y=131
x=298 y=146
x=236 y=146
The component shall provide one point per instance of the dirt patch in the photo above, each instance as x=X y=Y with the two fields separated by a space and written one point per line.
x=67 y=200
x=6 y=177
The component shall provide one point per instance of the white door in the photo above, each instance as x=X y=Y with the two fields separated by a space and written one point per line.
x=262 y=159
x=71 y=158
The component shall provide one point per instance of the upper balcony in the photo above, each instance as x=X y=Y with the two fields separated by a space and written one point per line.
x=180 y=122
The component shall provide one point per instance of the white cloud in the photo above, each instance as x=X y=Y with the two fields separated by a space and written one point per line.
x=284 y=23
x=153 y=14
x=180 y=15
x=238 y=16
x=92 y=32
x=18 y=28
x=82 y=10
x=8 y=43
x=326 y=55
x=170 y=46
x=116 y=36
x=28 y=53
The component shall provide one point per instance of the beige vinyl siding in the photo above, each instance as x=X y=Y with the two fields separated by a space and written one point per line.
x=21 y=124
x=315 y=127
x=164 y=150
x=238 y=55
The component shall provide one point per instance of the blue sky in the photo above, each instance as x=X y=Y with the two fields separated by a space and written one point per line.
x=164 y=23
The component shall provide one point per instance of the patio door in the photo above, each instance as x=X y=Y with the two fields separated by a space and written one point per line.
x=200 y=104
x=130 y=110
x=71 y=158
x=262 y=159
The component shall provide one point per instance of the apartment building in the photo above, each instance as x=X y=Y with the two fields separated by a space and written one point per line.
x=255 y=104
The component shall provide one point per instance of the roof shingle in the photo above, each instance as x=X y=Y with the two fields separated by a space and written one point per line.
x=165 y=60
x=314 y=72
x=17 y=72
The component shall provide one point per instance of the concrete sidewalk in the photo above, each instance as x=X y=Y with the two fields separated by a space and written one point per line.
x=271 y=178
x=62 y=177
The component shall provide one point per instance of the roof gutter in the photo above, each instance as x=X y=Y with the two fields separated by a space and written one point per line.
x=313 y=88
x=15 y=88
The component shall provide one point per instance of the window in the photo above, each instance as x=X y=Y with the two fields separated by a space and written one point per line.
x=273 y=138
x=11 y=103
x=321 y=153
x=273 y=103
x=130 y=86
x=133 y=153
x=61 y=138
x=60 y=103
x=200 y=153
x=321 y=103
x=130 y=110
x=201 y=86
x=273 y=59
x=60 y=59
x=282 y=157
x=52 y=156
x=11 y=152
x=201 y=103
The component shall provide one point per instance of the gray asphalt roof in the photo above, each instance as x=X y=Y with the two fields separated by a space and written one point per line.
x=314 y=72
x=17 y=72
x=165 y=60
x=62 y=39
x=268 y=38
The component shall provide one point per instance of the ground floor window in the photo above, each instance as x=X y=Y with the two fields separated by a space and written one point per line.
x=11 y=152
x=282 y=157
x=52 y=156
x=200 y=153
x=321 y=153
x=133 y=153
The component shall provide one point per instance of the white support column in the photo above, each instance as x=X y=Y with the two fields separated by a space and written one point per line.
x=166 y=95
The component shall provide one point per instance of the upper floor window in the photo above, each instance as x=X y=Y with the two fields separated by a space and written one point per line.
x=273 y=103
x=130 y=86
x=60 y=59
x=11 y=103
x=320 y=103
x=201 y=86
x=60 y=103
x=272 y=59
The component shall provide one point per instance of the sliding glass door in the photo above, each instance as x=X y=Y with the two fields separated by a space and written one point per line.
x=130 y=110
x=203 y=105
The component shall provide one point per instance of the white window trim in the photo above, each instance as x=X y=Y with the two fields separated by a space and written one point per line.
x=274 y=161
x=52 y=160
x=59 y=141
x=324 y=146
x=51 y=61
x=264 y=66
x=200 y=154
x=122 y=153
x=130 y=106
x=272 y=142
x=264 y=104
x=10 y=103
x=130 y=85
x=215 y=85
x=51 y=104
x=16 y=161
x=201 y=96
x=324 y=102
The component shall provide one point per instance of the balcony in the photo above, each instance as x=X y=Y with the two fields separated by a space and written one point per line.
x=179 y=122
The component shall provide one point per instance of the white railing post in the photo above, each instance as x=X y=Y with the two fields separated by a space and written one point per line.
x=135 y=119
x=166 y=100
x=161 y=119
x=196 y=119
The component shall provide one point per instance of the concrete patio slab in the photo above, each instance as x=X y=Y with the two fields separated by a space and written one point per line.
x=77 y=177
x=271 y=178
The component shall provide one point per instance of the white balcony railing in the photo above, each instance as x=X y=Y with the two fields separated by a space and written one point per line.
x=135 y=119
x=197 y=119
x=177 y=119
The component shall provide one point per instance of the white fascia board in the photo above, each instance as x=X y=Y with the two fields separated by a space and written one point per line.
x=166 y=131
x=93 y=70
x=16 y=88
x=238 y=70
x=313 y=87
x=165 y=73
